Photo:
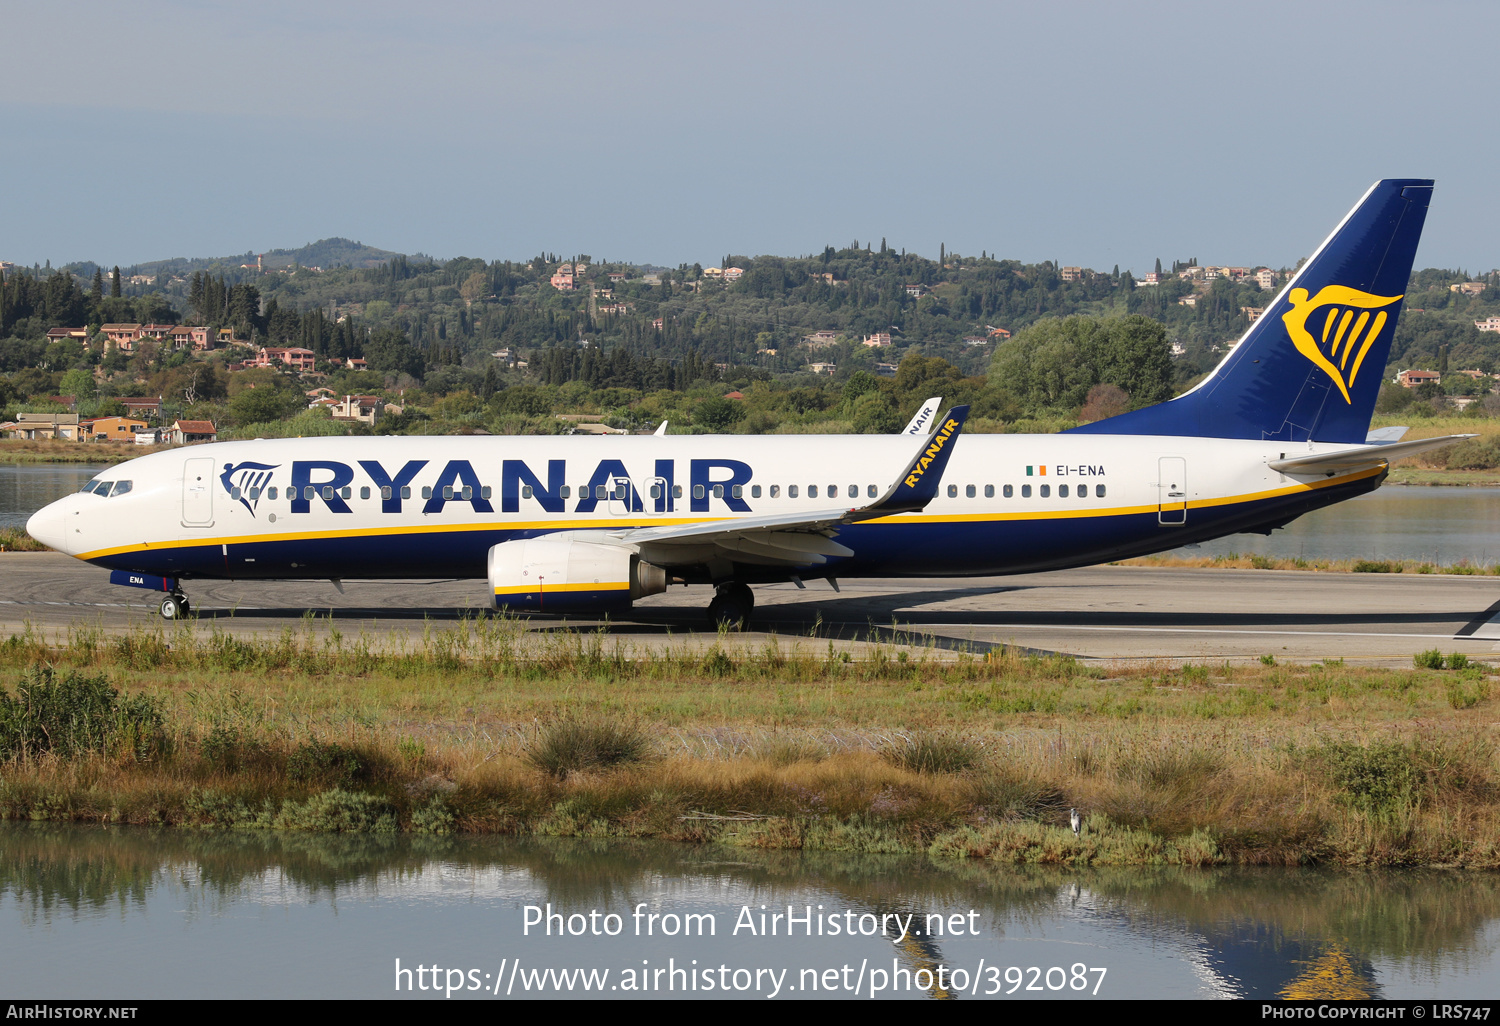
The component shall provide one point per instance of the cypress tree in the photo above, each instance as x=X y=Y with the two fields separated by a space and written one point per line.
x=114 y=283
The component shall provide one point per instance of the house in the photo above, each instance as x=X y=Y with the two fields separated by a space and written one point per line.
x=879 y=338
x=188 y=432
x=562 y=280
x=713 y=272
x=149 y=436
x=1488 y=324
x=186 y=336
x=226 y=337
x=68 y=334
x=657 y=324
x=1265 y=278
x=110 y=429
x=1413 y=378
x=1477 y=375
x=1150 y=278
x=916 y=290
x=319 y=392
x=1000 y=333
x=975 y=340
x=617 y=276
x=1468 y=288
x=292 y=357
x=356 y=363
x=1252 y=312
x=141 y=406
x=159 y=332
x=42 y=426
x=367 y=409
x=822 y=368
x=122 y=336
x=885 y=370
x=733 y=273
x=1071 y=273
x=821 y=338
x=1191 y=299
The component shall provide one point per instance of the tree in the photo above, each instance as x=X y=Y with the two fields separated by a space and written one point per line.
x=717 y=414
x=96 y=290
x=475 y=287
x=114 y=282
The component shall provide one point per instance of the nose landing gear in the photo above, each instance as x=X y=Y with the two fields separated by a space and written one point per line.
x=732 y=604
x=175 y=606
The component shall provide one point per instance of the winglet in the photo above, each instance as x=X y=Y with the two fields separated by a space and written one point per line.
x=921 y=421
x=918 y=483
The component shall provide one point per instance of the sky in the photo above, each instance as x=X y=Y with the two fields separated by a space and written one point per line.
x=662 y=132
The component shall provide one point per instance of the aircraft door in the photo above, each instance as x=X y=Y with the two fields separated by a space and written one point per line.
x=1172 y=491
x=620 y=490
x=198 y=492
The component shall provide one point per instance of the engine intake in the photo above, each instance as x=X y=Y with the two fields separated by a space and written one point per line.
x=558 y=575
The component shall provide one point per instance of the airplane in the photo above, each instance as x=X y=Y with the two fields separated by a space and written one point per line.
x=564 y=525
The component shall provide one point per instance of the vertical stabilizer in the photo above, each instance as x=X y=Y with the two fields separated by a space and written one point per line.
x=1311 y=367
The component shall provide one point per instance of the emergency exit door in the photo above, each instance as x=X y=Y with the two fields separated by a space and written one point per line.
x=1172 y=491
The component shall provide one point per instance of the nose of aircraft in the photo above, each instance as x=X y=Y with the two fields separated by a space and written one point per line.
x=48 y=527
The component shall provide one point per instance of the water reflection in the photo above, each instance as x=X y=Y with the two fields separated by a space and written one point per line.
x=26 y=488
x=1166 y=931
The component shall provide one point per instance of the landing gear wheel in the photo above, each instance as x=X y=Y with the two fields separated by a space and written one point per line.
x=732 y=605
x=174 y=607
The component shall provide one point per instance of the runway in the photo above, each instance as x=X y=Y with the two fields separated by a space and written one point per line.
x=1098 y=614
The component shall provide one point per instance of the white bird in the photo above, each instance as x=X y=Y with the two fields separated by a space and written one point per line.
x=1076 y=820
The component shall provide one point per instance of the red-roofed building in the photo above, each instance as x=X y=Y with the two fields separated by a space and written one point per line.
x=141 y=406
x=186 y=432
x=294 y=358
x=124 y=336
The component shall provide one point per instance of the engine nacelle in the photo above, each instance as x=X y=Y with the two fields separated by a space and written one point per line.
x=559 y=575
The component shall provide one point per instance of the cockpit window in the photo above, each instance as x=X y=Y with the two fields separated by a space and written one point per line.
x=94 y=484
x=121 y=487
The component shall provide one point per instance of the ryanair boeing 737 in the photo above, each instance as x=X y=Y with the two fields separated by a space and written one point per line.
x=561 y=525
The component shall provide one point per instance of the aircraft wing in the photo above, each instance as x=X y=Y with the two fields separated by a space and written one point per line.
x=803 y=538
x=1363 y=456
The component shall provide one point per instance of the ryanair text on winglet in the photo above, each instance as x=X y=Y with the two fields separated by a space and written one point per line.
x=931 y=454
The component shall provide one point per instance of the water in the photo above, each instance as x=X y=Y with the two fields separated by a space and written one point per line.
x=26 y=488
x=131 y=913
x=1441 y=525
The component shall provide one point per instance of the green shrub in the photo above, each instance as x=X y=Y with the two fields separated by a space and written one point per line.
x=932 y=752
x=1432 y=659
x=717 y=664
x=574 y=743
x=1474 y=454
x=75 y=715
x=1262 y=563
x=1268 y=660
x=326 y=762
x=1457 y=661
x=1372 y=566
x=1465 y=694
x=1380 y=778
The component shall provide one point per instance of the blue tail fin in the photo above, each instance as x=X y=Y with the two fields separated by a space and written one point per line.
x=1311 y=366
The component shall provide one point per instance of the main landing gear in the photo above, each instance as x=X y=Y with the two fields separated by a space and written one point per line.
x=733 y=602
x=175 y=606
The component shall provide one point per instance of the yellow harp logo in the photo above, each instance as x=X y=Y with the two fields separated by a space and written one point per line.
x=1350 y=326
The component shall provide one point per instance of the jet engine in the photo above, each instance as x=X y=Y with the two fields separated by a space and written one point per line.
x=561 y=575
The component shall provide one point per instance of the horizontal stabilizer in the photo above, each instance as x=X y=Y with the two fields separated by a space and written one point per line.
x=1382 y=436
x=1364 y=456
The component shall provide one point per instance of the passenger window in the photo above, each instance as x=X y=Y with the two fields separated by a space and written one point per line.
x=348 y=492
x=1025 y=491
x=677 y=491
x=755 y=491
x=426 y=491
x=271 y=494
x=1062 y=491
x=1045 y=491
x=468 y=493
x=565 y=492
x=254 y=494
x=833 y=491
x=1009 y=491
x=791 y=491
x=989 y=491
x=385 y=491
x=812 y=491
x=871 y=492
x=853 y=492
x=526 y=491
x=601 y=492
x=776 y=491
x=969 y=492
x=234 y=493
x=308 y=492
x=406 y=492
x=1083 y=491
x=718 y=491
x=364 y=492
x=698 y=492
x=953 y=491
x=484 y=493
x=447 y=492
x=738 y=491
x=1099 y=493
